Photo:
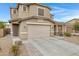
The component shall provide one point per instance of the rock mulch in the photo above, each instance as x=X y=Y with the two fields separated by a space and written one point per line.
x=6 y=44
x=73 y=39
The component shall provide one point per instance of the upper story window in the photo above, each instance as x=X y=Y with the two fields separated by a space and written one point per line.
x=24 y=8
x=14 y=11
x=40 y=12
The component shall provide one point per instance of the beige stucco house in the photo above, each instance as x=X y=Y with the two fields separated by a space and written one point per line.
x=31 y=20
x=69 y=26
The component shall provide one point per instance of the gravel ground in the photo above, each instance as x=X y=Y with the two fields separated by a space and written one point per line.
x=73 y=39
x=5 y=44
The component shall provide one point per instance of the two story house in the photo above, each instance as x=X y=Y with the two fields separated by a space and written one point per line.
x=31 y=20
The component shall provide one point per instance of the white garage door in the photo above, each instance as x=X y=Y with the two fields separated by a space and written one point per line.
x=38 y=31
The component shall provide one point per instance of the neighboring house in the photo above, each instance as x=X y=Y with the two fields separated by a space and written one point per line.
x=31 y=20
x=69 y=26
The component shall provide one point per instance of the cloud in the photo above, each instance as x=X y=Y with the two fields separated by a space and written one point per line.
x=58 y=10
x=67 y=18
x=63 y=14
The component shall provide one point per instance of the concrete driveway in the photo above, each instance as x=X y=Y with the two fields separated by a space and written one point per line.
x=52 y=46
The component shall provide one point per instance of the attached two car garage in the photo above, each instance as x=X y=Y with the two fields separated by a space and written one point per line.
x=38 y=31
x=32 y=30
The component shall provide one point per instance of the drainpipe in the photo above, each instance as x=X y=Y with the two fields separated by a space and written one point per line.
x=11 y=33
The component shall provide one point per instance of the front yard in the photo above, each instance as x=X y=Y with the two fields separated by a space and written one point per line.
x=6 y=44
x=43 y=46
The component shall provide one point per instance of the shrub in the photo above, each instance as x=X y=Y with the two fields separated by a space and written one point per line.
x=2 y=25
x=67 y=34
x=76 y=26
x=15 y=50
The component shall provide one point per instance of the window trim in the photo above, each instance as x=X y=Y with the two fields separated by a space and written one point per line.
x=14 y=11
x=24 y=8
x=38 y=11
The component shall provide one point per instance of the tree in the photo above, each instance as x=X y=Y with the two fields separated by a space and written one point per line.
x=76 y=26
x=2 y=25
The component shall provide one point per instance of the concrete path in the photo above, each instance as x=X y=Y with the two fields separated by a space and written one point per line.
x=53 y=46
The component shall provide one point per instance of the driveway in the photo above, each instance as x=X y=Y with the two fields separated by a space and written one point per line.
x=51 y=46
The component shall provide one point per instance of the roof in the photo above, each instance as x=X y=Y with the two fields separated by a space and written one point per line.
x=72 y=20
x=28 y=4
x=32 y=17
x=59 y=23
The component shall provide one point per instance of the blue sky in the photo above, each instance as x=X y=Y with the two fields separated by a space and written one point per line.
x=62 y=11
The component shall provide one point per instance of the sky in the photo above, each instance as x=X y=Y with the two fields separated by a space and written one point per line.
x=62 y=12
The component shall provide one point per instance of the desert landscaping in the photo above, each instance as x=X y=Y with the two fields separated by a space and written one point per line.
x=28 y=49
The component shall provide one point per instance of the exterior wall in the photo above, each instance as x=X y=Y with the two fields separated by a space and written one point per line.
x=1 y=32
x=23 y=30
x=21 y=13
x=34 y=11
x=23 y=27
x=63 y=29
x=13 y=16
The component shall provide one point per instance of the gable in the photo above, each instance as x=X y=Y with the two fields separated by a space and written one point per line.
x=71 y=22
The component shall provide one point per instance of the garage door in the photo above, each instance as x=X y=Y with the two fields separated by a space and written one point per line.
x=38 y=31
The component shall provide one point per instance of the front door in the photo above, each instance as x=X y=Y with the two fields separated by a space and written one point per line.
x=15 y=29
x=54 y=29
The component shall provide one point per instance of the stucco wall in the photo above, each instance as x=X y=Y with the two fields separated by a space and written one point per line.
x=23 y=28
x=13 y=16
x=34 y=11
x=1 y=32
x=21 y=12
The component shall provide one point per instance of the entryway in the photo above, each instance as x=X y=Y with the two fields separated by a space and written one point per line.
x=15 y=29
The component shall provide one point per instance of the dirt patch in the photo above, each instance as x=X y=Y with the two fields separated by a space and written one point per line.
x=73 y=39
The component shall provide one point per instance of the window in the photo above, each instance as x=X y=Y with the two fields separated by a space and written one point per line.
x=40 y=12
x=14 y=11
x=24 y=8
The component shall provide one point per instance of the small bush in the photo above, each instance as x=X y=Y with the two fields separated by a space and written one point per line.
x=15 y=50
x=67 y=34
